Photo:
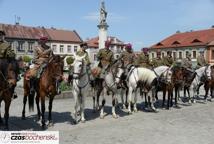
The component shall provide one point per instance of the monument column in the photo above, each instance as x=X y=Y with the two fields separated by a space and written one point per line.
x=103 y=26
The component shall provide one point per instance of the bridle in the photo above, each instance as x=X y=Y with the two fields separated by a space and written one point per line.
x=80 y=74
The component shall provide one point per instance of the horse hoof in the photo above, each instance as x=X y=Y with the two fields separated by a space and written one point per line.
x=82 y=120
x=155 y=110
x=101 y=116
x=135 y=110
x=194 y=101
x=129 y=112
x=115 y=116
x=50 y=124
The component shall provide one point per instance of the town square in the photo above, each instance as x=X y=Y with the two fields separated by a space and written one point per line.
x=105 y=71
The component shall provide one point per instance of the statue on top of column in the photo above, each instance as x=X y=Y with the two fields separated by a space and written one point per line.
x=103 y=13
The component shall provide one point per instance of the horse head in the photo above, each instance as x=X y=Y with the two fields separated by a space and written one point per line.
x=209 y=72
x=56 y=67
x=167 y=75
x=178 y=74
x=79 y=66
x=118 y=70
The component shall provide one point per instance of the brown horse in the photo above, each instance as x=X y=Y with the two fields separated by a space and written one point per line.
x=47 y=85
x=9 y=70
x=178 y=82
x=209 y=84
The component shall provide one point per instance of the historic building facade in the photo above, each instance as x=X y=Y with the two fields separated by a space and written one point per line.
x=23 y=39
x=181 y=43
x=117 y=47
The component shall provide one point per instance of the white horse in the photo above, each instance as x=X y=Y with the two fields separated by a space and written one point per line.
x=110 y=85
x=80 y=86
x=141 y=77
x=203 y=72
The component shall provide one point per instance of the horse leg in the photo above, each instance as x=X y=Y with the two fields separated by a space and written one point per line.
x=103 y=103
x=82 y=108
x=24 y=104
x=135 y=100
x=130 y=99
x=6 y=114
x=43 y=109
x=38 y=107
x=164 y=97
x=187 y=88
x=114 y=115
x=122 y=99
x=1 y=121
x=50 y=123
x=146 y=100
x=75 y=106
x=169 y=98
x=206 y=87
x=153 y=99
x=94 y=107
x=99 y=91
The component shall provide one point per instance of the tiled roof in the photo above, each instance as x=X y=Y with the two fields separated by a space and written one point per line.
x=193 y=38
x=94 y=42
x=26 y=32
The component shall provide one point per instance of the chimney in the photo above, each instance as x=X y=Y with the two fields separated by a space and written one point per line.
x=178 y=31
x=212 y=26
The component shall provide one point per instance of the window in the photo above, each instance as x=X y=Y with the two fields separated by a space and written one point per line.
x=20 y=47
x=95 y=57
x=162 y=55
x=212 y=54
x=69 y=49
x=153 y=55
x=174 y=55
x=180 y=55
x=194 y=54
x=54 y=48
x=75 y=48
x=30 y=47
x=61 y=49
x=187 y=53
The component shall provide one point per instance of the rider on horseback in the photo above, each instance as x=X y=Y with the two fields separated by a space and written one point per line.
x=143 y=59
x=6 y=52
x=127 y=57
x=106 y=59
x=168 y=60
x=43 y=54
x=157 y=61
x=201 y=60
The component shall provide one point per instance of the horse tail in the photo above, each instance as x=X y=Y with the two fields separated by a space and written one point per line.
x=28 y=94
x=31 y=101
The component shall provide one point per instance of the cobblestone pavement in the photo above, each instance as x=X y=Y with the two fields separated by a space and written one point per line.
x=191 y=124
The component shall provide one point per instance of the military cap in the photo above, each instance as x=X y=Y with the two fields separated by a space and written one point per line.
x=43 y=38
x=129 y=46
x=107 y=44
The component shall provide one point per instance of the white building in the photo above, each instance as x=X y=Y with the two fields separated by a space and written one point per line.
x=117 y=47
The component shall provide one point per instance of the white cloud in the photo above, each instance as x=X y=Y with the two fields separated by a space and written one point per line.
x=111 y=17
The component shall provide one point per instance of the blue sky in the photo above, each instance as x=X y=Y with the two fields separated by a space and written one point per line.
x=140 y=22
